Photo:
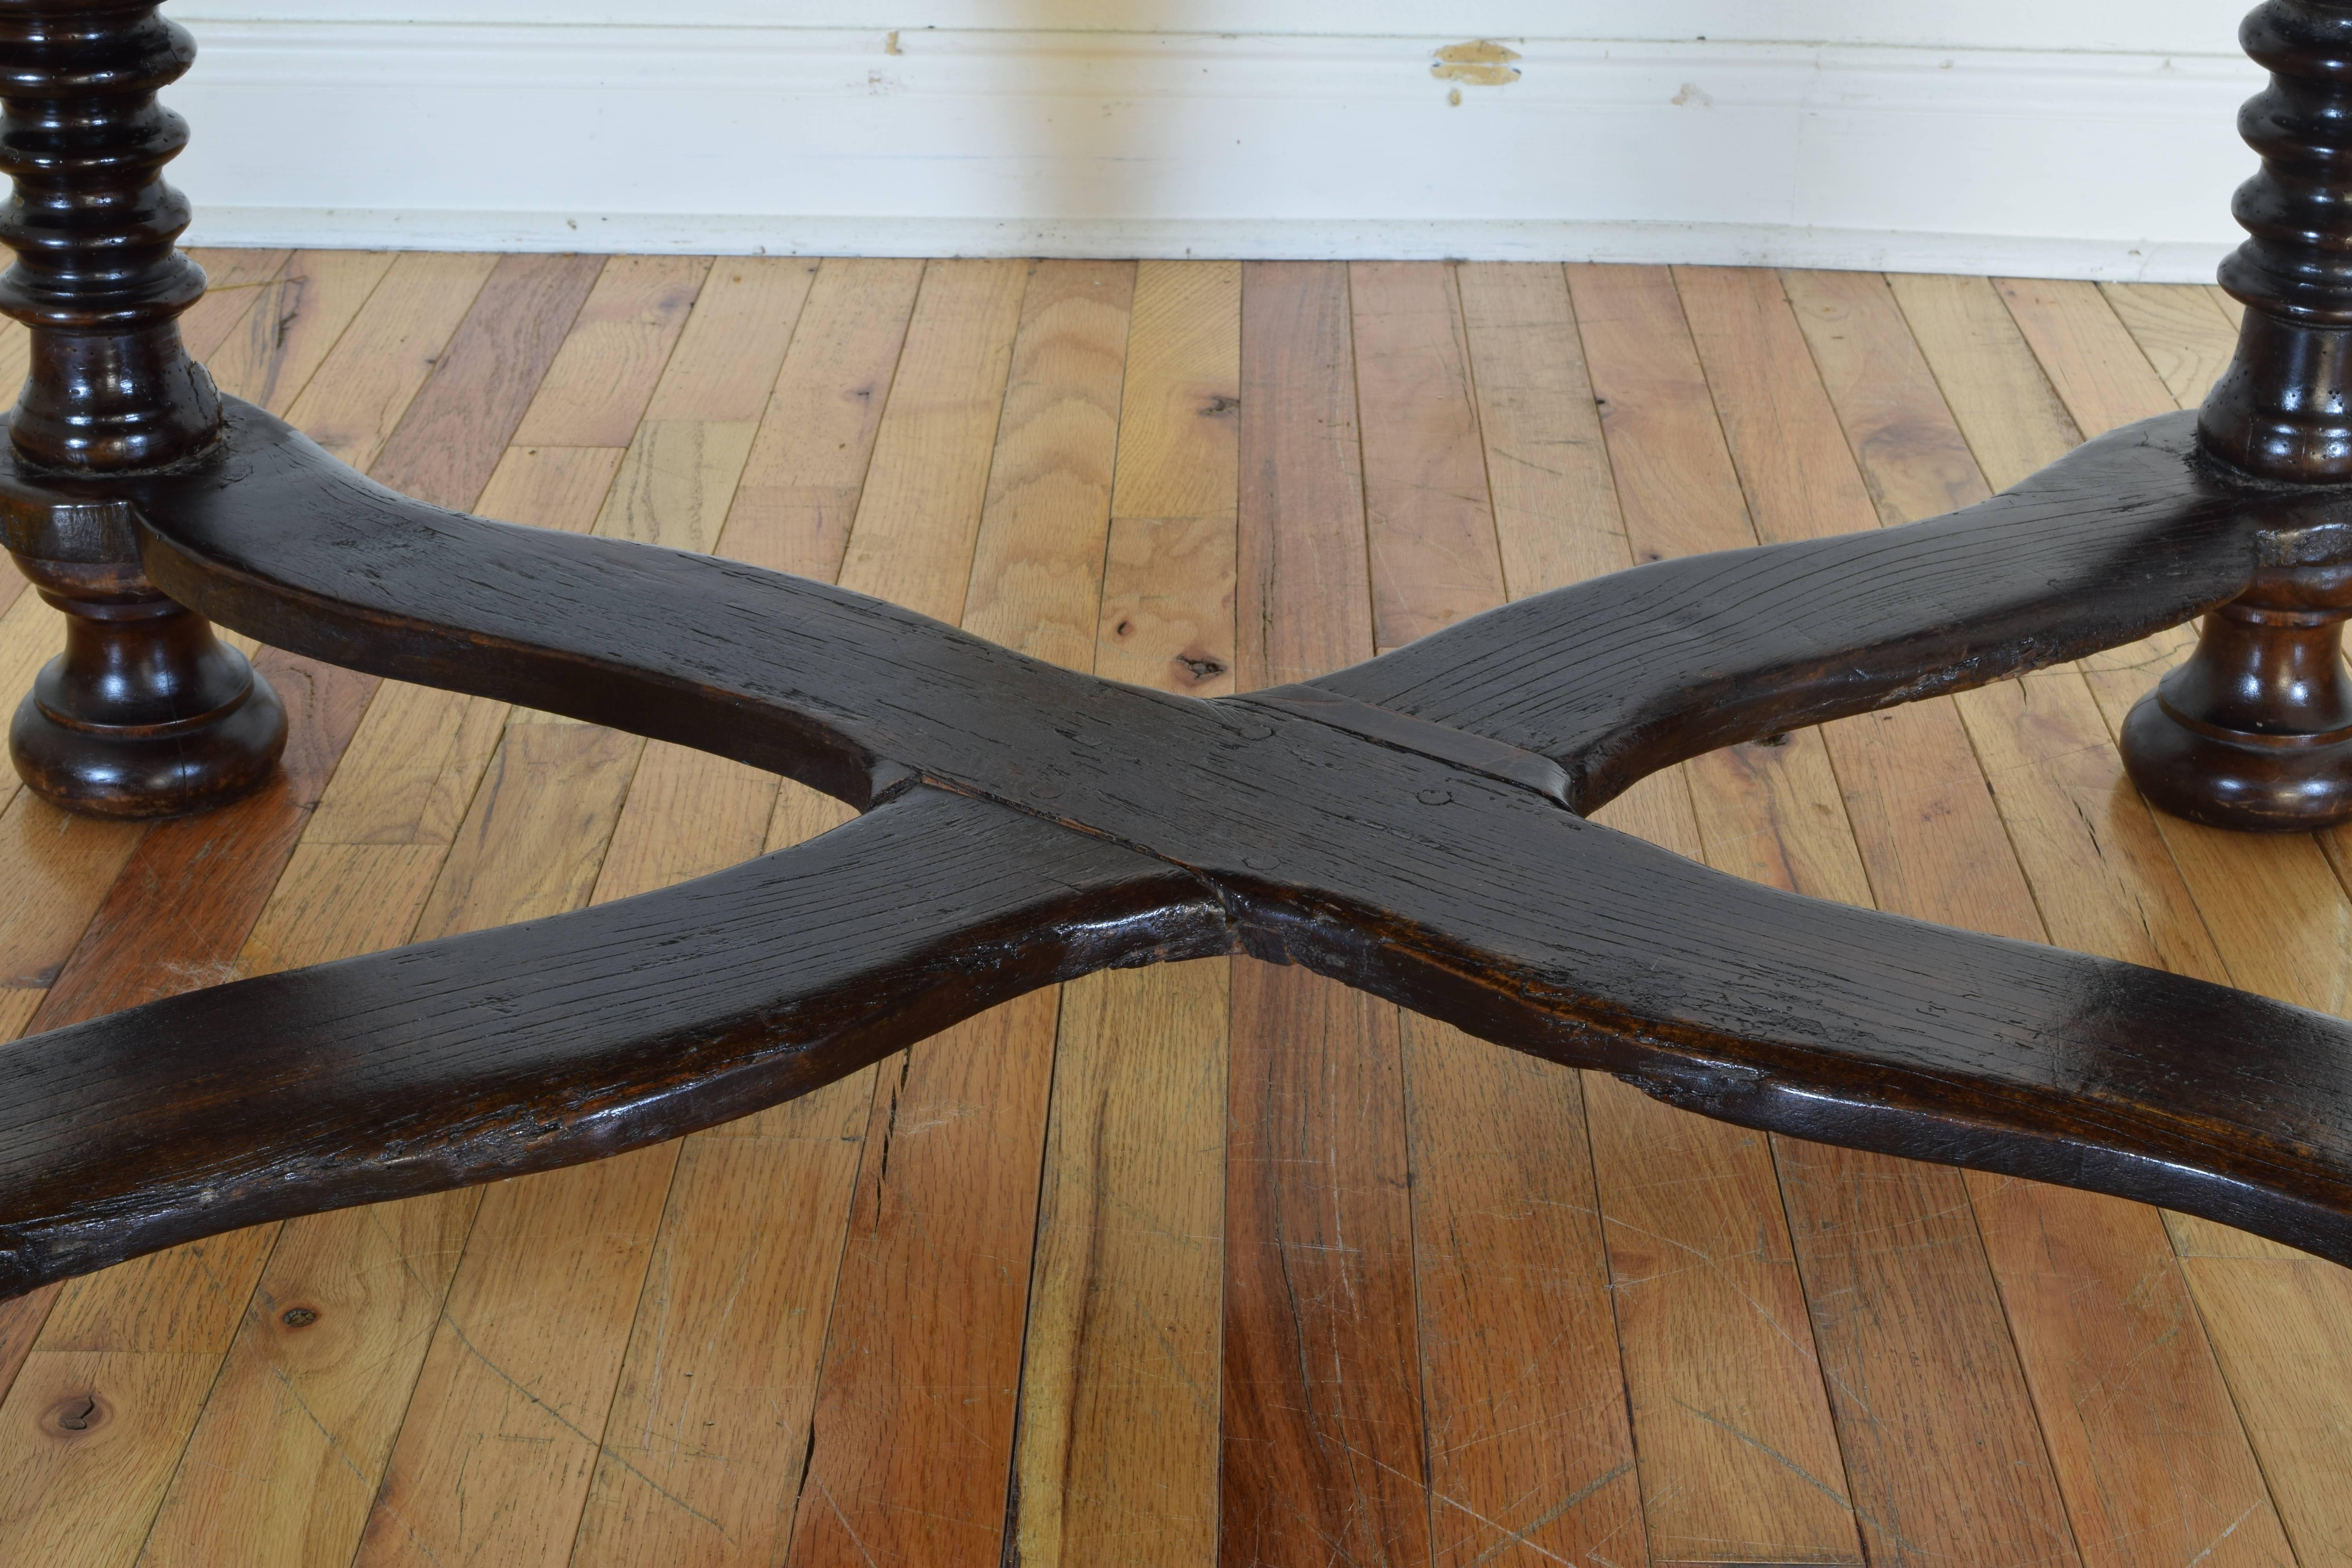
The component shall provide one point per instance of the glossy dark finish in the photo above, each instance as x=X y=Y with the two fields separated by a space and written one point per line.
x=145 y=714
x=2127 y=533
x=1403 y=825
x=2254 y=731
x=554 y=1041
x=93 y=227
x=2283 y=410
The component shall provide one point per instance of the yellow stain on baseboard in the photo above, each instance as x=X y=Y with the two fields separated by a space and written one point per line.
x=1481 y=62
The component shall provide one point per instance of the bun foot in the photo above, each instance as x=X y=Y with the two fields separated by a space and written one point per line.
x=146 y=713
x=2254 y=731
x=2252 y=783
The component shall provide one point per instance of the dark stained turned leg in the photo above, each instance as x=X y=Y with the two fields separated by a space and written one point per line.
x=2254 y=731
x=146 y=713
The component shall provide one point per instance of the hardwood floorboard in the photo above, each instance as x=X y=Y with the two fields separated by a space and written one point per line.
x=305 y=1414
x=1739 y=1457
x=1904 y=1310
x=504 y=1430
x=236 y=281
x=1324 y=1451
x=806 y=472
x=1530 y=1458
x=708 y=1438
x=614 y=351
x=363 y=390
x=2181 y=329
x=459 y=422
x=996 y=428
x=678 y=476
x=1037 y=559
x=1215 y=1260
x=1556 y=521
x=294 y=323
x=1430 y=526
x=1117 y=1453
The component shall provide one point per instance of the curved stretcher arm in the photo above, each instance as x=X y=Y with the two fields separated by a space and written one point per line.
x=554 y=1041
x=1026 y=824
x=1621 y=676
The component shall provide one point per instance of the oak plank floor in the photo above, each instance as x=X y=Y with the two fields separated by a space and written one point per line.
x=1214 y=1263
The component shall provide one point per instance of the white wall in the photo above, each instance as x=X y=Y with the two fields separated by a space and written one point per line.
x=2091 y=139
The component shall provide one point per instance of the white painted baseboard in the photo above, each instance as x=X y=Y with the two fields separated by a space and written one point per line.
x=796 y=140
x=2149 y=27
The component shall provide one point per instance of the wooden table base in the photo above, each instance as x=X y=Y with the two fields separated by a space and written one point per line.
x=2255 y=730
x=1416 y=826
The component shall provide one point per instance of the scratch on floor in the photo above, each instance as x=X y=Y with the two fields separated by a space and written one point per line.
x=1519 y=1537
x=2225 y=1535
x=597 y=1443
x=312 y=1416
x=1793 y=1468
x=827 y=1492
x=1802 y=1349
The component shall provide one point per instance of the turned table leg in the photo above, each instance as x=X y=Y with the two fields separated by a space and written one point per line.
x=2254 y=731
x=145 y=713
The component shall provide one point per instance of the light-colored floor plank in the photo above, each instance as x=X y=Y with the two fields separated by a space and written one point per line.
x=305 y=1414
x=2006 y=408
x=1434 y=550
x=1554 y=497
x=2280 y=1325
x=1117 y=1458
x=678 y=481
x=1036 y=570
x=806 y=472
x=1322 y=1427
x=1530 y=1454
x=55 y=867
x=615 y=353
x=1739 y=1457
x=1117 y=1445
x=918 y=516
x=235 y=283
x=915 y=1431
x=1905 y=1309
x=2182 y=330
x=88 y=1428
x=707 y=1437
x=294 y=324
x=358 y=396
x=1178 y=413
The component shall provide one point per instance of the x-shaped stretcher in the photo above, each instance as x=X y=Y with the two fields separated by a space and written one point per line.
x=1417 y=826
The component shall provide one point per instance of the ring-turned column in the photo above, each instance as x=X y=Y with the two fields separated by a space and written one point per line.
x=145 y=713
x=2254 y=731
